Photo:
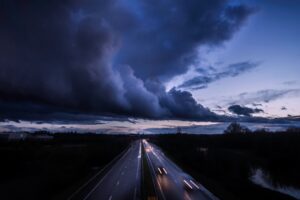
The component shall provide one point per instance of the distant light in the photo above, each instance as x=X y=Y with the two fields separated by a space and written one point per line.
x=195 y=184
x=159 y=171
x=187 y=184
x=165 y=170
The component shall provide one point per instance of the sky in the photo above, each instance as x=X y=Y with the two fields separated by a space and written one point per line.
x=139 y=66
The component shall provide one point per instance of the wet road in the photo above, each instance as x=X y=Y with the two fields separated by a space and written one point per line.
x=173 y=184
x=123 y=180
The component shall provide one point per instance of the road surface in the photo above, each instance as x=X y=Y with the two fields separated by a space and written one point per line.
x=171 y=186
x=122 y=181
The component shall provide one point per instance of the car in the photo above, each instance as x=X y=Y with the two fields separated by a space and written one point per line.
x=190 y=185
x=162 y=171
x=148 y=149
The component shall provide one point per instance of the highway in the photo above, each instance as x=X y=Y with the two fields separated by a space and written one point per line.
x=170 y=181
x=122 y=181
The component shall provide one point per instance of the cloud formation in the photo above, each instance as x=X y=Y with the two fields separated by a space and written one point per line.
x=243 y=110
x=94 y=56
x=208 y=76
x=170 y=32
x=263 y=96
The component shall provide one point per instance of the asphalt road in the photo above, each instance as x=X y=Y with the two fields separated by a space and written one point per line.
x=171 y=186
x=123 y=180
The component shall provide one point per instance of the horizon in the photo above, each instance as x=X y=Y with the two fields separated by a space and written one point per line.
x=95 y=65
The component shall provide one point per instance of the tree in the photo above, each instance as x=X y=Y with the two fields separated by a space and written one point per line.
x=236 y=128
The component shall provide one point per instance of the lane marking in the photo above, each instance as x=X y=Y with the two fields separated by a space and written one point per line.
x=94 y=188
x=138 y=169
x=128 y=160
x=92 y=178
x=139 y=158
x=110 y=197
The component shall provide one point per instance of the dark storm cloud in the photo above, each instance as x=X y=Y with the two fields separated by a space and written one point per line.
x=170 y=31
x=242 y=110
x=40 y=113
x=93 y=56
x=179 y=103
x=205 y=77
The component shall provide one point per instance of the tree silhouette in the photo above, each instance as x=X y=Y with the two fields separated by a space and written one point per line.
x=236 y=128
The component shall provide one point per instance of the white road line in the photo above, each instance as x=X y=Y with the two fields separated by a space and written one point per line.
x=110 y=197
x=118 y=182
x=138 y=169
x=87 y=196
x=86 y=183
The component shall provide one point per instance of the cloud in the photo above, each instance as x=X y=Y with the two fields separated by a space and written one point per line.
x=293 y=82
x=242 y=110
x=256 y=104
x=40 y=113
x=283 y=108
x=184 y=105
x=207 y=77
x=263 y=96
x=93 y=57
x=166 y=40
